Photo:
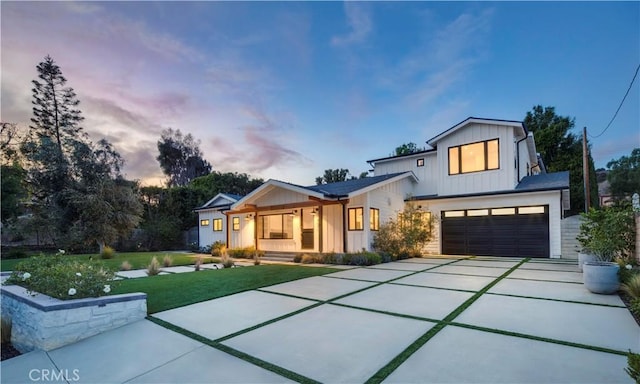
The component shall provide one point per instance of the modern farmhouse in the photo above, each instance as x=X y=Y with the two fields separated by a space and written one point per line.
x=482 y=182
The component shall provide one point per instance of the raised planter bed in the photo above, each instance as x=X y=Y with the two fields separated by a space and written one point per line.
x=45 y=323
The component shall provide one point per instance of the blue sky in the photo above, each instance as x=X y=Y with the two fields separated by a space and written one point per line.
x=285 y=90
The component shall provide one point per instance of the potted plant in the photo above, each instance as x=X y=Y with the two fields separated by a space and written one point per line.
x=609 y=234
x=585 y=237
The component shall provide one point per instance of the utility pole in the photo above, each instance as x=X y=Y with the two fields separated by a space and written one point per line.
x=585 y=170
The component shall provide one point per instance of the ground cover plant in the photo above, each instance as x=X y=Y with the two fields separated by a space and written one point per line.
x=137 y=260
x=180 y=289
x=63 y=278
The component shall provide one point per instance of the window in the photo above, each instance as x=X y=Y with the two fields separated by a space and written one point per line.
x=235 y=224
x=355 y=219
x=217 y=225
x=420 y=163
x=530 y=210
x=374 y=219
x=475 y=157
x=503 y=211
x=276 y=226
x=478 y=212
x=204 y=222
x=454 y=214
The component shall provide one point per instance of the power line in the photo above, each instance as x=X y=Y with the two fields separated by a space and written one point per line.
x=620 y=106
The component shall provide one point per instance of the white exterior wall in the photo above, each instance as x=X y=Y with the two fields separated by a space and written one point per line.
x=243 y=237
x=206 y=234
x=332 y=228
x=427 y=175
x=389 y=199
x=476 y=182
x=551 y=198
x=279 y=196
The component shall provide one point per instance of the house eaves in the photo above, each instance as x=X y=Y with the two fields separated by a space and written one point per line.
x=268 y=186
x=477 y=120
x=408 y=155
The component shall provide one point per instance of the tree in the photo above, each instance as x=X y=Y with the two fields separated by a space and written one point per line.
x=180 y=158
x=332 y=176
x=407 y=149
x=561 y=150
x=229 y=182
x=13 y=191
x=624 y=175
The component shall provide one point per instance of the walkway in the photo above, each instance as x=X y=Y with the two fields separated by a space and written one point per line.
x=420 y=320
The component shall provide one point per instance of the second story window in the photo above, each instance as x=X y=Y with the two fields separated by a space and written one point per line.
x=474 y=157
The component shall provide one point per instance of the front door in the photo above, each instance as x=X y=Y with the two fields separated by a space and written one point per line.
x=307 y=229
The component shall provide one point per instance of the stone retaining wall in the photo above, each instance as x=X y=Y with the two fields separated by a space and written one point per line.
x=46 y=323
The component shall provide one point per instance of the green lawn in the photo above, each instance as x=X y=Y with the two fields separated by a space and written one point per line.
x=180 y=289
x=138 y=260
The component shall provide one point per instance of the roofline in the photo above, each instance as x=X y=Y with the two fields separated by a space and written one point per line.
x=281 y=184
x=477 y=120
x=219 y=207
x=226 y=196
x=480 y=194
x=423 y=152
x=382 y=182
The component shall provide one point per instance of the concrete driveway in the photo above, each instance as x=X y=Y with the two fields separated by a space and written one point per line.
x=444 y=320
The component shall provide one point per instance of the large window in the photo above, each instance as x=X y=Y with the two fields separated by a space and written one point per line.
x=217 y=225
x=355 y=219
x=475 y=157
x=235 y=223
x=374 y=219
x=276 y=226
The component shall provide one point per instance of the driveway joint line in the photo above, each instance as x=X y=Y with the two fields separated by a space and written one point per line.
x=544 y=280
x=234 y=352
x=432 y=287
x=558 y=300
x=538 y=338
x=165 y=363
x=392 y=365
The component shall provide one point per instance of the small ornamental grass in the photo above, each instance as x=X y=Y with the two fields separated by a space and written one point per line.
x=167 y=261
x=633 y=366
x=226 y=260
x=125 y=266
x=154 y=267
x=107 y=252
x=62 y=278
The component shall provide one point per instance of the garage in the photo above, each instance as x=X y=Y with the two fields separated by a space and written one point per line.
x=507 y=231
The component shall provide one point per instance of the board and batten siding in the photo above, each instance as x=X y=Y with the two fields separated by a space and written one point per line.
x=206 y=235
x=243 y=237
x=332 y=228
x=550 y=198
x=427 y=175
x=279 y=196
x=483 y=181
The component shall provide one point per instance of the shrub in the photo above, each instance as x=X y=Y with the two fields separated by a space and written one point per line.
x=308 y=259
x=635 y=306
x=362 y=258
x=15 y=253
x=243 y=253
x=608 y=232
x=218 y=248
x=154 y=267
x=633 y=369
x=226 y=260
x=297 y=258
x=107 y=252
x=125 y=266
x=632 y=286
x=206 y=249
x=406 y=235
x=62 y=278
x=167 y=261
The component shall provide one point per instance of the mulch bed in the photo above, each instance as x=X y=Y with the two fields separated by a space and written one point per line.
x=8 y=351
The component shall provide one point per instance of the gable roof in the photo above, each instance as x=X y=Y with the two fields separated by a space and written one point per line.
x=544 y=181
x=218 y=202
x=338 y=190
x=477 y=120
x=357 y=186
x=418 y=153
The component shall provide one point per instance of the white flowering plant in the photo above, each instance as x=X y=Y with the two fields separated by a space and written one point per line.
x=63 y=277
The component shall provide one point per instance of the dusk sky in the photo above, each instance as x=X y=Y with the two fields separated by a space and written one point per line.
x=285 y=90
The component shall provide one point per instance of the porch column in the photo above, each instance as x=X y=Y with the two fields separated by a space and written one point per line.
x=320 y=240
x=345 y=226
x=255 y=229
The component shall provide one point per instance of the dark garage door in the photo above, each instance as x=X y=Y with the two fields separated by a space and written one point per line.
x=510 y=231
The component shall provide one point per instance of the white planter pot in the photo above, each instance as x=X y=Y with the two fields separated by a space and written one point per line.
x=601 y=277
x=584 y=256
